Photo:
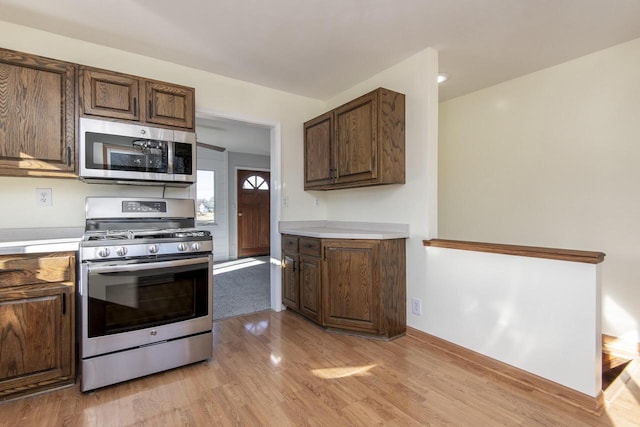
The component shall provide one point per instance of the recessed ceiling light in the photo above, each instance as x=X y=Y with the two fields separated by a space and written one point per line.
x=442 y=77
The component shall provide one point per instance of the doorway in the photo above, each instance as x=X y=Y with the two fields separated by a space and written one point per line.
x=254 y=212
x=246 y=147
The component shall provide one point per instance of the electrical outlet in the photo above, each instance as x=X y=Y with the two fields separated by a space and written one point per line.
x=44 y=197
x=285 y=201
x=416 y=306
x=316 y=202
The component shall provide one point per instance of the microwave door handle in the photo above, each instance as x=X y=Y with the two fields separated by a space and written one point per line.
x=146 y=266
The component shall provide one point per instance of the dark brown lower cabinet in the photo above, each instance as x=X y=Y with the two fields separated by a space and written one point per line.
x=344 y=284
x=301 y=274
x=37 y=294
x=310 y=269
x=290 y=281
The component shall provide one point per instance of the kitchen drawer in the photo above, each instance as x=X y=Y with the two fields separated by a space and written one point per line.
x=18 y=270
x=310 y=247
x=289 y=243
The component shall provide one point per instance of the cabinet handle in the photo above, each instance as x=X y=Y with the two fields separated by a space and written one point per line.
x=325 y=253
x=150 y=112
x=294 y=266
x=135 y=106
x=69 y=156
x=64 y=304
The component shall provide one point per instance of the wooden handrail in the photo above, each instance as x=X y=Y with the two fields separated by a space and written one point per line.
x=526 y=251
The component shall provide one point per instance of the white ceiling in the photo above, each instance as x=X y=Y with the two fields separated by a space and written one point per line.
x=234 y=135
x=319 y=48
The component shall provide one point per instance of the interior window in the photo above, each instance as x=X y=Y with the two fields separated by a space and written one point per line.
x=205 y=197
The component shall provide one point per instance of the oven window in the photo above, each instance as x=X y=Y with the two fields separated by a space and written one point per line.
x=113 y=152
x=130 y=300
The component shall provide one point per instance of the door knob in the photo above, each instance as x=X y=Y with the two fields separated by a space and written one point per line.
x=239 y=213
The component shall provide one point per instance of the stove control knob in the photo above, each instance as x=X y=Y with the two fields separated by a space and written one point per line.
x=195 y=246
x=182 y=247
x=121 y=251
x=103 y=252
x=153 y=249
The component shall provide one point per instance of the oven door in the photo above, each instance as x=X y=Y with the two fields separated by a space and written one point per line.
x=127 y=304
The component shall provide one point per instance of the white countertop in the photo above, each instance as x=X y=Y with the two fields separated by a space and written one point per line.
x=39 y=240
x=344 y=230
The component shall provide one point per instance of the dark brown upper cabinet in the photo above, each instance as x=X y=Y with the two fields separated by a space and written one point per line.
x=37 y=116
x=124 y=97
x=108 y=94
x=358 y=144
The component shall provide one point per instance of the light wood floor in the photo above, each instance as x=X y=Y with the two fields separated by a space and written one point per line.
x=277 y=369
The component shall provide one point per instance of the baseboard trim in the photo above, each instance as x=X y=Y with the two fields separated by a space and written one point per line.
x=521 y=379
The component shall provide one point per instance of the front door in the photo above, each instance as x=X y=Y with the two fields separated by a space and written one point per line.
x=253 y=213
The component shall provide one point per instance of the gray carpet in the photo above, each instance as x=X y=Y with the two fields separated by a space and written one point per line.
x=240 y=287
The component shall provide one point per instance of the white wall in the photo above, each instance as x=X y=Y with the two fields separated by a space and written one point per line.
x=413 y=203
x=539 y=315
x=215 y=95
x=552 y=159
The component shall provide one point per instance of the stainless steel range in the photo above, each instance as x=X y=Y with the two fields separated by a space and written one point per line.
x=145 y=291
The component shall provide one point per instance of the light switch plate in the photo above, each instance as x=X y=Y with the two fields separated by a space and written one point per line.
x=44 y=197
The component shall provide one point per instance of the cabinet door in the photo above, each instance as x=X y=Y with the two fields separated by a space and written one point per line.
x=318 y=149
x=36 y=346
x=37 y=116
x=290 y=281
x=351 y=284
x=356 y=140
x=170 y=105
x=310 y=273
x=109 y=94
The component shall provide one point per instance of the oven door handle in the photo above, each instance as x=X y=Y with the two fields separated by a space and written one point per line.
x=93 y=268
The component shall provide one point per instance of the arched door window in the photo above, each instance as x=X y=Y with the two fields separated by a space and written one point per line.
x=255 y=182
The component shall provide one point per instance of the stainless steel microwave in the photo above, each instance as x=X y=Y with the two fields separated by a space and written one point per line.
x=128 y=153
